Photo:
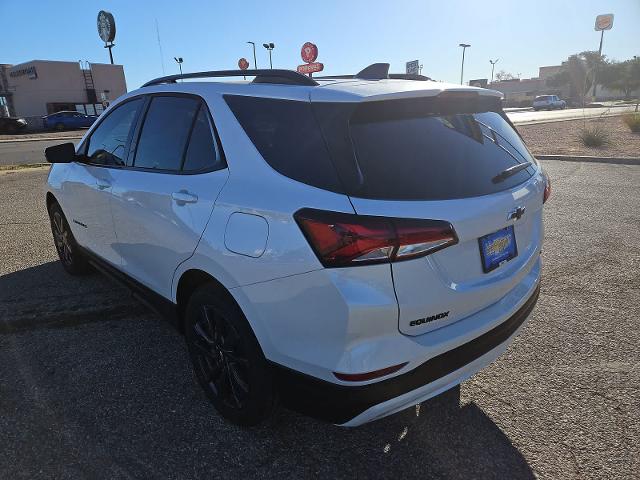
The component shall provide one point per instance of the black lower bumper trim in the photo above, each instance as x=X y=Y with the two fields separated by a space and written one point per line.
x=340 y=403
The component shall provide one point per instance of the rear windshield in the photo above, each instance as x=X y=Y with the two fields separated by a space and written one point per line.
x=415 y=149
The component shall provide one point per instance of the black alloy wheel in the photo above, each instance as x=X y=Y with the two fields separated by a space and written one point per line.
x=72 y=259
x=220 y=359
x=61 y=239
x=226 y=357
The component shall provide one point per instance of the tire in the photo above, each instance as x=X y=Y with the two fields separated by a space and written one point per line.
x=72 y=259
x=227 y=359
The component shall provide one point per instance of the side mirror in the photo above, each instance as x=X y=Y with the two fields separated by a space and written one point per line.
x=63 y=153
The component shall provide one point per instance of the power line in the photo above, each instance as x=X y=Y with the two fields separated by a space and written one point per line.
x=160 y=46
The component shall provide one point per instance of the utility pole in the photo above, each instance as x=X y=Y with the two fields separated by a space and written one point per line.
x=269 y=46
x=255 y=63
x=464 y=47
x=493 y=65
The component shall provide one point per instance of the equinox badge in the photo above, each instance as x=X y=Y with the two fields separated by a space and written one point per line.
x=420 y=321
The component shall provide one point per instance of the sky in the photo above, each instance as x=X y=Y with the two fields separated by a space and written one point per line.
x=350 y=34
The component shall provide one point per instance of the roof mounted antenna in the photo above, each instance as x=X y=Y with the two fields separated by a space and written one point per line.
x=375 y=71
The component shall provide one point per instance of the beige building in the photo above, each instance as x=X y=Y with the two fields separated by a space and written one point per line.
x=39 y=87
x=521 y=92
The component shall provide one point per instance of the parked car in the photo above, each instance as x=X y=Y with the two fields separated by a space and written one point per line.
x=12 y=124
x=349 y=247
x=68 y=120
x=549 y=102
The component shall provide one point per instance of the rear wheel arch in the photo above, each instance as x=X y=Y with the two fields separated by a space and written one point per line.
x=51 y=199
x=189 y=282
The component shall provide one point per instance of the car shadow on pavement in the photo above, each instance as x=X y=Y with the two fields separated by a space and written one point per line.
x=46 y=295
x=114 y=396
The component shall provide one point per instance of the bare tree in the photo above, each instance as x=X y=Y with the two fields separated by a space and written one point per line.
x=502 y=75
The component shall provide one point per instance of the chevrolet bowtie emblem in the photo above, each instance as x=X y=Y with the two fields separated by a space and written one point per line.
x=516 y=214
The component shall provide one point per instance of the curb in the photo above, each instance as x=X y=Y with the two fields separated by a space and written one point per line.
x=572 y=119
x=43 y=139
x=580 y=158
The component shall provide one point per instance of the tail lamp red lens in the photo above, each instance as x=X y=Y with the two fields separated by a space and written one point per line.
x=343 y=239
x=547 y=188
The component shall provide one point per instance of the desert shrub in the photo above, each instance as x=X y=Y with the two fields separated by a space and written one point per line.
x=594 y=136
x=632 y=120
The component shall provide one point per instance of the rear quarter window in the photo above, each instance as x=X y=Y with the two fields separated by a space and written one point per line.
x=286 y=134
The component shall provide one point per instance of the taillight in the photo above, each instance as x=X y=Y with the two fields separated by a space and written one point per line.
x=547 y=187
x=343 y=239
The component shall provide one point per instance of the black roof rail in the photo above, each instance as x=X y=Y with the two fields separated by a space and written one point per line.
x=409 y=76
x=261 y=76
x=377 y=71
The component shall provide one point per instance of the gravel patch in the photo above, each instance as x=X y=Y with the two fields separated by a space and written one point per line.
x=562 y=138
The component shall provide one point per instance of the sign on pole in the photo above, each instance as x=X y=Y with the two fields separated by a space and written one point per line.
x=309 y=54
x=479 y=82
x=604 y=22
x=106 y=26
x=243 y=64
x=413 y=67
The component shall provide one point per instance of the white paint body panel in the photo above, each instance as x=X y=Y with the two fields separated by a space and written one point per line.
x=87 y=197
x=452 y=279
x=154 y=232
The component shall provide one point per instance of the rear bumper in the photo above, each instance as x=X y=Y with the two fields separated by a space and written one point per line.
x=355 y=405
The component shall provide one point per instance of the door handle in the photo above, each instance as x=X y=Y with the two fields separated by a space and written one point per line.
x=182 y=197
x=103 y=184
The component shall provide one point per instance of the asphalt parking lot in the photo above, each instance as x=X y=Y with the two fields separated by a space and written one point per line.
x=92 y=385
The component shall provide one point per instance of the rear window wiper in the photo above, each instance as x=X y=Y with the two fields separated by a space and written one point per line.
x=508 y=172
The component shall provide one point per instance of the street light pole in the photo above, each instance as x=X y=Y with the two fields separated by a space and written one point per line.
x=464 y=47
x=179 y=62
x=493 y=65
x=595 y=79
x=255 y=63
x=269 y=46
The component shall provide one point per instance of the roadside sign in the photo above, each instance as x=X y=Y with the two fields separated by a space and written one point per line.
x=243 y=64
x=604 y=22
x=106 y=26
x=479 y=82
x=413 y=67
x=310 y=68
x=309 y=54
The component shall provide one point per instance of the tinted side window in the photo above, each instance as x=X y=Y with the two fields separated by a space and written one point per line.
x=288 y=137
x=165 y=132
x=108 y=141
x=202 y=153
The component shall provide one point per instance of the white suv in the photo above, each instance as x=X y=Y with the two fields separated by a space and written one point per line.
x=348 y=246
x=550 y=102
